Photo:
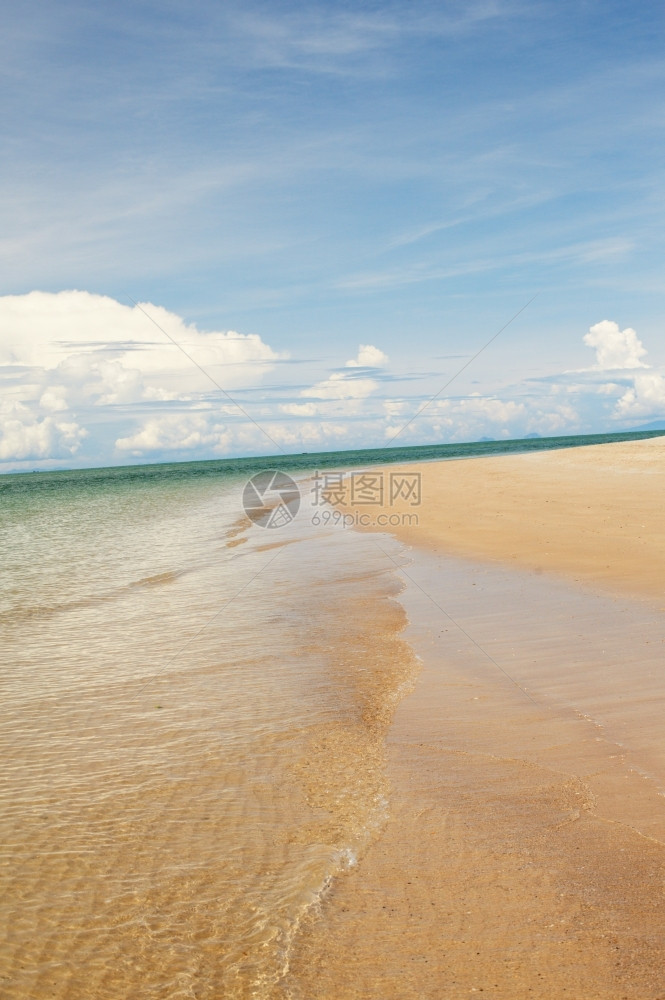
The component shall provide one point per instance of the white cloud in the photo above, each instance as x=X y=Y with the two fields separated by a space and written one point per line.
x=368 y=357
x=480 y=415
x=116 y=353
x=74 y=354
x=176 y=432
x=85 y=368
x=103 y=382
x=340 y=386
x=608 y=388
x=54 y=399
x=615 y=348
x=200 y=434
x=300 y=409
x=24 y=436
x=395 y=407
x=476 y=416
x=640 y=392
x=345 y=385
x=646 y=397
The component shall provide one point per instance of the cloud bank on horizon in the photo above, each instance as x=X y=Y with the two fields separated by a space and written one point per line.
x=88 y=380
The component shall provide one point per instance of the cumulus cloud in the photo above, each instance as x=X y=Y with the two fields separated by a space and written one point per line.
x=54 y=398
x=200 y=434
x=116 y=353
x=615 y=348
x=89 y=380
x=300 y=409
x=636 y=388
x=475 y=416
x=175 y=432
x=368 y=357
x=395 y=407
x=645 y=398
x=24 y=436
x=339 y=386
x=346 y=384
x=72 y=355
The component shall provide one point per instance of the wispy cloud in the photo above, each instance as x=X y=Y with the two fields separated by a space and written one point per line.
x=323 y=39
x=486 y=209
x=578 y=253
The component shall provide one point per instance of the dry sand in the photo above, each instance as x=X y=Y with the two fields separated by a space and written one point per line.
x=596 y=514
x=524 y=856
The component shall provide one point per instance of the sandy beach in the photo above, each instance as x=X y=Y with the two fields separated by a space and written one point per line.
x=322 y=763
x=595 y=514
x=524 y=856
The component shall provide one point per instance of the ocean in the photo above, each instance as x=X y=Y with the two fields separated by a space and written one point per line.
x=195 y=714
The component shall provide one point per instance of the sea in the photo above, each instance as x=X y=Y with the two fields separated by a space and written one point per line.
x=199 y=670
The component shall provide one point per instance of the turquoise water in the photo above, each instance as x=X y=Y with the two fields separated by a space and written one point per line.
x=113 y=478
x=61 y=528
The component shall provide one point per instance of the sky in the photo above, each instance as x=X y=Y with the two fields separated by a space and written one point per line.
x=252 y=228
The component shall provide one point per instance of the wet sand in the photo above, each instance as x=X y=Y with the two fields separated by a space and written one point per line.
x=524 y=856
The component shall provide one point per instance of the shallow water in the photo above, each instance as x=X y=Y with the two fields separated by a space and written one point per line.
x=193 y=736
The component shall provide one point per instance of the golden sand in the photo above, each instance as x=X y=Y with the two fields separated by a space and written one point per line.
x=525 y=855
x=596 y=514
x=522 y=855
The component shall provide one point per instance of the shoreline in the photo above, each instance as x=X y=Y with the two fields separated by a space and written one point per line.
x=272 y=814
x=524 y=855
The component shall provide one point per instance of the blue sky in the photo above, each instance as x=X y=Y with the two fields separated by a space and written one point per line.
x=330 y=207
